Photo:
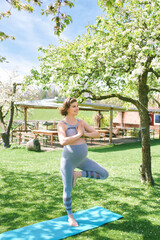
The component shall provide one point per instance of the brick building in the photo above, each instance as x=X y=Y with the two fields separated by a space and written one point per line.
x=132 y=120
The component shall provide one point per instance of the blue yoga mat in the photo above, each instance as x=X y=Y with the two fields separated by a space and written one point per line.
x=59 y=228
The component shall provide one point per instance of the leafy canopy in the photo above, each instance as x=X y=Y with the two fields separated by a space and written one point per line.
x=120 y=53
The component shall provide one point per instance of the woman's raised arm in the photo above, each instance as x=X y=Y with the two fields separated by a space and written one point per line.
x=67 y=140
x=90 y=131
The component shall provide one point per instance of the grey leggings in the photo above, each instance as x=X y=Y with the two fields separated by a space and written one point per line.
x=75 y=156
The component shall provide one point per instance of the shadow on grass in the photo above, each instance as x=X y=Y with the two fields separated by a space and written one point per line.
x=138 y=212
x=122 y=147
x=28 y=198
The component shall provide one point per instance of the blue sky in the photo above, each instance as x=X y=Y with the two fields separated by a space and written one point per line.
x=34 y=30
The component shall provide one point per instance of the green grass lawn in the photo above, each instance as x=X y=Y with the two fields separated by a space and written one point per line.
x=54 y=115
x=31 y=191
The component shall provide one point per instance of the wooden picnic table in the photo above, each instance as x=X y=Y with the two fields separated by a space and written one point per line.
x=44 y=133
x=55 y=133
x=104 y=132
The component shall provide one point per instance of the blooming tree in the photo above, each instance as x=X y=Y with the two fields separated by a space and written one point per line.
x=6 y=105
x=118 y=57
x=11 y=91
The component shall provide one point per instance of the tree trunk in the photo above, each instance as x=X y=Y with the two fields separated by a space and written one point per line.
x=6 y=130
x=146 y=172
x=5 y=138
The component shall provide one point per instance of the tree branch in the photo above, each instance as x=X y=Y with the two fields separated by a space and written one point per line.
x=5 y=114
x=157 y=102
x=1 y=115
x=1 y=120
x=11 y=110
x=94 y=97
x=154 y=72
x=154 y=90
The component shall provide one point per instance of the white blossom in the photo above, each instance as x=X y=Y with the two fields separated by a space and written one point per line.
x=137 y=47
x=138 y=71
x=150 y=42
x=156 y=63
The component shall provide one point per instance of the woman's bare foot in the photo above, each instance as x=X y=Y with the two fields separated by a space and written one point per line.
x=72 y=221
x=76 y=174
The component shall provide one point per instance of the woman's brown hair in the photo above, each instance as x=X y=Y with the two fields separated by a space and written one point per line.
x=66 y=105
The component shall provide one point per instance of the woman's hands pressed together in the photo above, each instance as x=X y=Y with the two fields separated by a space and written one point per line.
x=80 y=129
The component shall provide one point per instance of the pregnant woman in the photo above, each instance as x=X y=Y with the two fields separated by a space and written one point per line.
x=72 y=132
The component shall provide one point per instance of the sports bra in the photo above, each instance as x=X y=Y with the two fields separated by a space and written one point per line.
x=71 y=129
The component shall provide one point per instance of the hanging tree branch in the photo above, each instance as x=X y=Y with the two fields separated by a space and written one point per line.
x=103 y=97
x=157 y=102
x=154 y=72
x=154 y=90
x=61 y=20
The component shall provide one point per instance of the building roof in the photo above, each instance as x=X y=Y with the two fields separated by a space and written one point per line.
x=53 y=104
x=90 y=106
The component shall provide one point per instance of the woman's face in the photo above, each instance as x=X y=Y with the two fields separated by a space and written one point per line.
x=73 y=109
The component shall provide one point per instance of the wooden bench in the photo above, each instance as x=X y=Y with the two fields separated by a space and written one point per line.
x=44 y=133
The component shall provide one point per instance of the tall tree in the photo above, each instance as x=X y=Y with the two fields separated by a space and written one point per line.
x=118 y=57
x=6 y=107
x=11 y=91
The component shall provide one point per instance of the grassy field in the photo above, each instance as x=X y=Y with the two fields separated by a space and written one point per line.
x=54 y=115
x=49 y=114
x=31 y=191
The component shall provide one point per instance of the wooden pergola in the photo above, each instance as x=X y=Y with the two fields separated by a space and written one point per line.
x=87 y=106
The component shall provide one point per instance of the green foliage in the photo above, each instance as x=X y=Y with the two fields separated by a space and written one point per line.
x=31 y=191
x=106 y=119
x=60 y=19
x=87 y=116
x=118 y=57
x=118 y=54
x=2 y=59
